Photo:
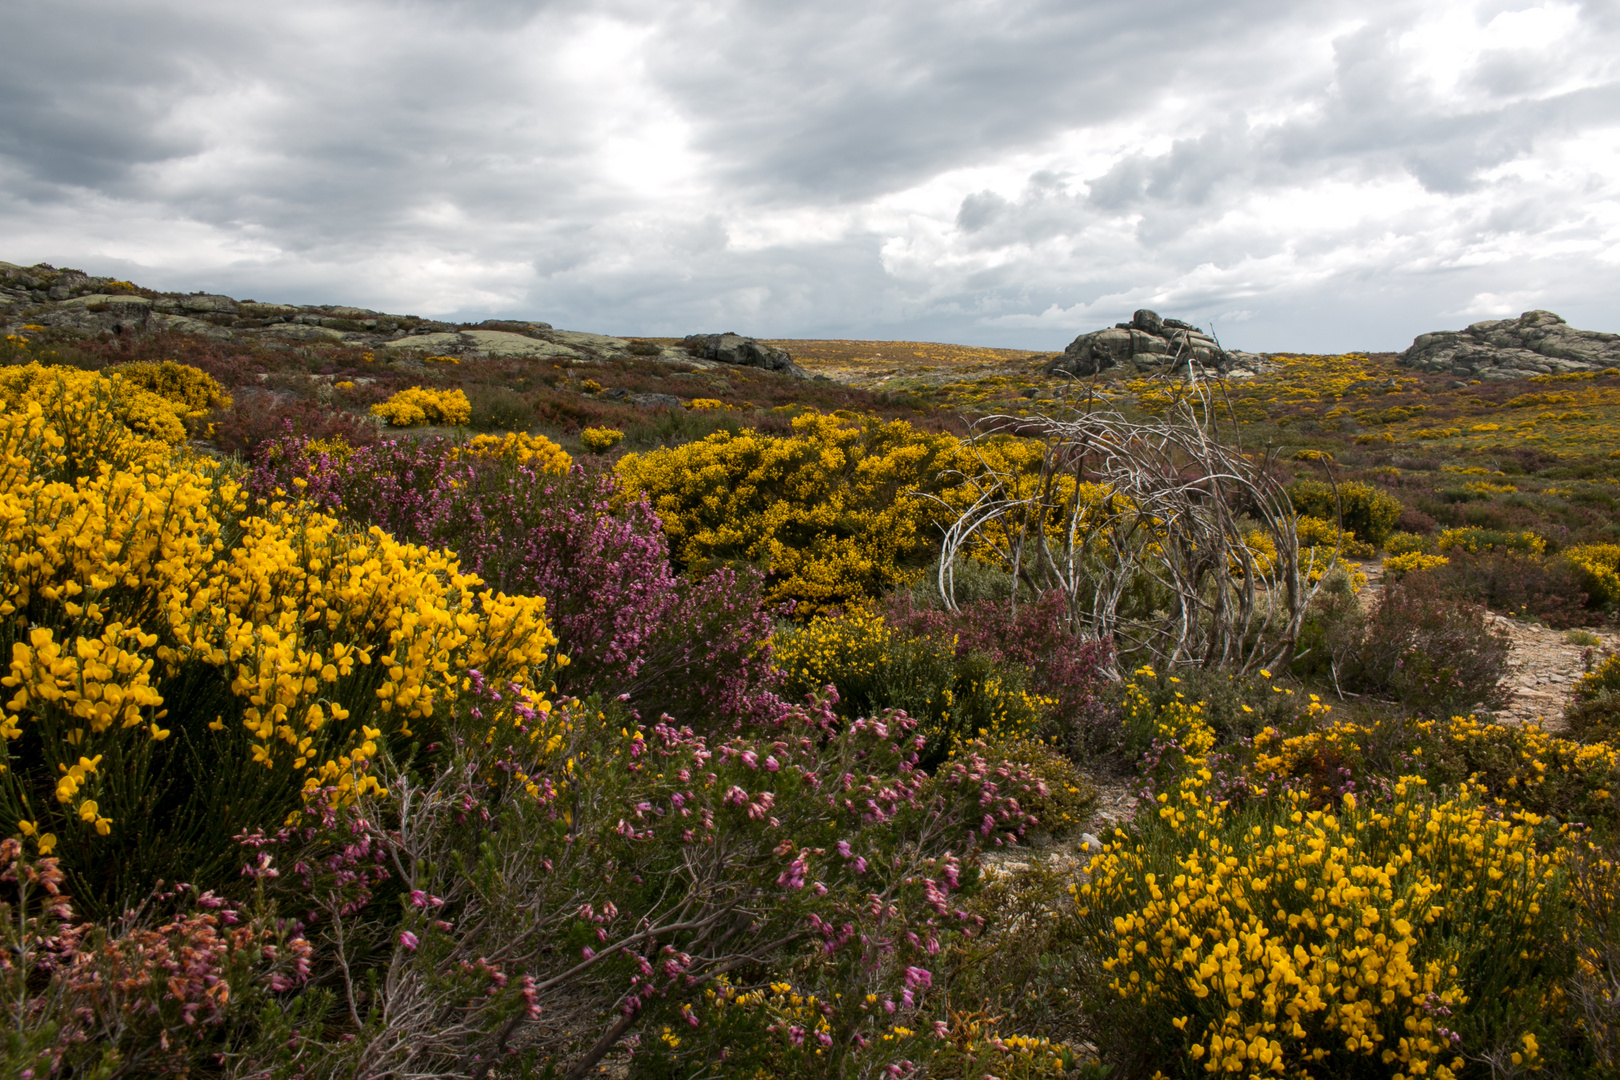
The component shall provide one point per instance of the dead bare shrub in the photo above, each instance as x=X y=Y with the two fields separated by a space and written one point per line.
x=1166 y=539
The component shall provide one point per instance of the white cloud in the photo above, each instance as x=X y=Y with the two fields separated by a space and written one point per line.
x=1007 y=173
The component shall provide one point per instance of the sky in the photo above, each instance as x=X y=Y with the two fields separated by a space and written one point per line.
x=1299 y=177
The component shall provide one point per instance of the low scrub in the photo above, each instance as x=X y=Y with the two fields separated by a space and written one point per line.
x=874 y=665
x=1357 y=507
x=518 y=514
x=1421 y=646
x=1365 y=938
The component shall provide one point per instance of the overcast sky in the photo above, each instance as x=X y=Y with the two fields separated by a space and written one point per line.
x=1309 y=177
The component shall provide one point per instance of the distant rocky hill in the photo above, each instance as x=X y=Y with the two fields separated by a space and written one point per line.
x=1149 y=343
x=1536 y=343
x=81 y=304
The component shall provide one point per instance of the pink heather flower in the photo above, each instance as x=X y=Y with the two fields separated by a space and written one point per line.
x=408 y=939
x=587 y=952
x=793 y=876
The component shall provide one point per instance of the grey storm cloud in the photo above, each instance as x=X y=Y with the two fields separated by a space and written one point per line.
x=1002 y=173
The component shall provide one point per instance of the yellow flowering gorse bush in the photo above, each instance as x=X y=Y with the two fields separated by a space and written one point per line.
x=1407 y=562
x=99 y=419
x=420 y=405
x=599 y=440
x=1600 y=569
x=520 y=448
x=876 y=667
x=1293 y=941
x=147 y=580
x=834 y=511
x=180 y=383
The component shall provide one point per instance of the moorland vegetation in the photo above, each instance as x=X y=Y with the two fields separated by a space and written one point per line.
x=416 y=716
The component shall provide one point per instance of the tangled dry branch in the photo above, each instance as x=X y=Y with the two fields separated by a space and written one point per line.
x=1166 y=539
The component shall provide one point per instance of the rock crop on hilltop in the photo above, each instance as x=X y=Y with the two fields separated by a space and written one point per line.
x=1536 y=343
x=733 y=348
x=1149 y=343
x=73 y=301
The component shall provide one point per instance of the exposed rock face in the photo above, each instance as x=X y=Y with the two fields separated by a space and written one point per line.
x=79 y=304
x=731 y=348
x=1536 y=343
x=1147 y=343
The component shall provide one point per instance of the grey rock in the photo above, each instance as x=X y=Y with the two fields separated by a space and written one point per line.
x=204 y=303
x=1147 y=342
x=1536 y=343
x=655 y=401
x=732 y=348
x=514 y=326
x=183 y=325
x=255 y=310
x=1244 y=365
x=487 y=342
x=1089 y=842
x=96 y=314
x=291 y=331
x=1147 y=321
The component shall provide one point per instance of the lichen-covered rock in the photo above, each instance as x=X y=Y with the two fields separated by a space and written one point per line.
x=1536 y=343
x=732 y=348
x=1146 y=343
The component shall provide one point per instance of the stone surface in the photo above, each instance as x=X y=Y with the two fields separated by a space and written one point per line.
x=1536 y=343
x=655 y=401
x=732 y=348
x=206 y=303
x=293 y=332
x=1147 y=343
x=73 y=303
x=97 y=313
x=184 y=325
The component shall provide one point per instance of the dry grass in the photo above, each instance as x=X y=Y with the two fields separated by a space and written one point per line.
x=894 y=365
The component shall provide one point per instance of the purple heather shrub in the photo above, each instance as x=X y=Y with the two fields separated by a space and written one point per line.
x=552 y=883
x=696 y=648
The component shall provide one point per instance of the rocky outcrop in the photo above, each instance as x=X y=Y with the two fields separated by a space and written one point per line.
x=731 y=348
x=1536 y=343
x=72 y=303
x=643 y=401
x=1148 y=343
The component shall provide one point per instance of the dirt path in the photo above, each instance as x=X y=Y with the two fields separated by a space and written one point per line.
x=1543 y=666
